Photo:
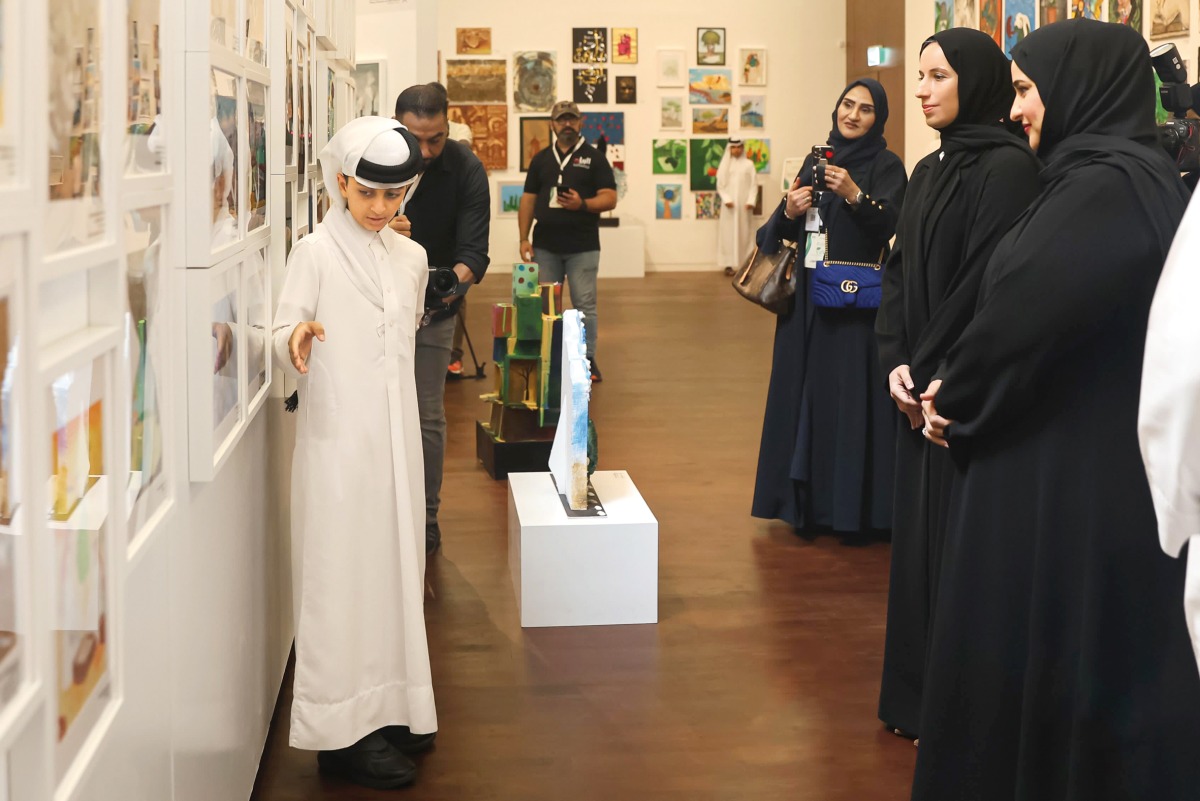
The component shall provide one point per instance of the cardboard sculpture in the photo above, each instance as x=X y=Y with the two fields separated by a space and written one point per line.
x=569 y=454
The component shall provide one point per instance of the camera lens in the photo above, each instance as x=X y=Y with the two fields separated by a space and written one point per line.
x=443 y=282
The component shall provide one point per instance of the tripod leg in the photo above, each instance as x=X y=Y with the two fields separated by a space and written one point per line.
x=470 y=345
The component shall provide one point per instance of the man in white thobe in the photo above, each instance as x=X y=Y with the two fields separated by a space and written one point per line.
x=348 y=314
x=1169 y=411
x=737 y=189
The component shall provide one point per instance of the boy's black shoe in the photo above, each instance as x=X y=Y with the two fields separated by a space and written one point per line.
x=404 y=741
x=371 y=762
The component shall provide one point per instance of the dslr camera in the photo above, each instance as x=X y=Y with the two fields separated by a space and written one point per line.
x=443 y=282
x=822 y=155
x=1179 y=136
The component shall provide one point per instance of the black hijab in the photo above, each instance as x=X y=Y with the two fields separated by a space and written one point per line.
x=985 y=93
x=1097 y=85
x=853 y=155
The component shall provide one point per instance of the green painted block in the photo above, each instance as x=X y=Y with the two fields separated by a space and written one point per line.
x=529 y=319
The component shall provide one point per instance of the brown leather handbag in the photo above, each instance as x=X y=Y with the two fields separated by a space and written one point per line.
x=769 y=279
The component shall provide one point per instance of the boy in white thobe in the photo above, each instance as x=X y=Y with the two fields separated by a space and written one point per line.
x=363 y=694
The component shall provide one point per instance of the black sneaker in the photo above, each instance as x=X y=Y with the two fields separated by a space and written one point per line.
x=596 y=377
x=371 y=762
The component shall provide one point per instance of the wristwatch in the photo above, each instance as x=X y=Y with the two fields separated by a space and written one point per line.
x=858 y=199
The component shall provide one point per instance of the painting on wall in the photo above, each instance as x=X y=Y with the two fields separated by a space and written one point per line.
x=369 y=91
x=1126 y=12
x=1087 y=9
x=589 y=45
x=625 y=45
x=1018 y=22
x=708 y=205
x=759 y=151
x=671 y=68
x=753 y=62
x=535 y=87
x=710 y=46
x=1051 y=11
x=705 y=157
x=489 y=132
x=591 y=85
x=603 y=128
x=508 y=195
x=671 y=114
x=1169 y=18
x=943 y=15
x=964 y=13
x=479 y=80
x=668 y=201
x=473 y=41
x=626 y=89
x=989 y=20
x=753 y=111
x=710 y=86
x=669 y=157
x=710 y=121
x=536 y=134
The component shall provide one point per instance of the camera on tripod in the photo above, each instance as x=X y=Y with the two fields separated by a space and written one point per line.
x=443 y=282
x=1179 y=136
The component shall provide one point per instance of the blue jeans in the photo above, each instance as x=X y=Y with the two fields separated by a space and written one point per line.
x=579 y=270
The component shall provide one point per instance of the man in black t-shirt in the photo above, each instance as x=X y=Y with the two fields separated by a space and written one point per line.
x=567 y=188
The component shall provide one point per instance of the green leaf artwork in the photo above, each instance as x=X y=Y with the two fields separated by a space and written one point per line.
x=670 y=157
x=759 y=151
x=705 y=158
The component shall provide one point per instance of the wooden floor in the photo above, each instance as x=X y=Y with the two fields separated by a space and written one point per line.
x=760 y=681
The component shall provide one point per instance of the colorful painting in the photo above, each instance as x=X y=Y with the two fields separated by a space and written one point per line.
x=943 y=15
x=754 y=66
x=536 y=134
x=668 y=202
x=710 y=120
x=670 y=157
x=1051 y=11
x=1018 y=22
x=608 y=126
x=1088 y=9
x=710 y=86
x=964 y=13
x=509 y=194
x=480 y=80
x=671 y=114
x=535 y=87
x=671 y=68
x=710 y=46
x=1126 y=12
x=989 y=20
x=753 y=111
x=759 y=151
x=473 y=41
x=626 y=89
x=591 y=85
x=330 y=106
x=625 y=48
x=589 y=45
x=489 y=132
x=708 y=205
x=705 y=156
x=1169 y=18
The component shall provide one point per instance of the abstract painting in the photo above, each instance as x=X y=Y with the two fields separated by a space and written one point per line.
x=671 y=68
x=603 y=125
x=589 y=45
x=591 y=85
x=670 y=157
x=473 y=41
x=753 y=111
x=509 y=195
x=705 y=156
x=1088 y=9
x=1051 y=11
x=710 y=46
x=710 y=86
x=753 y=62
x=626 y=89
x=534 y=82
x=1169 y=18
x=536 y=134
x=668 y=201
x=989 y=20
x=476 y=80
x=625 y=45
x=671 y=115
x=1018 y=22
x=759 y=151
x=964 y=13
x=708 y=206
x=943 y=15
x=1126 y=12
x=710 y=121
x=489 y=132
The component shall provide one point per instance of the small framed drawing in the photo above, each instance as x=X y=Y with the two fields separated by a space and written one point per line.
x=536 y=134
x=752 y=63
x=626 y=88
x=624 y=45
x=672 y=69
x=710 y=46
x=369 y=91
x=671 y=118
x=509 y=195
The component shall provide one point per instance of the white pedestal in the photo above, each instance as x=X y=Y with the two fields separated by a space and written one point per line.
x=582 y=571
x=623 y=251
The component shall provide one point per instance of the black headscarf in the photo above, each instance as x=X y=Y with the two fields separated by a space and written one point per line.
x=985 y=93
x=1097 y=85
x=854 y=155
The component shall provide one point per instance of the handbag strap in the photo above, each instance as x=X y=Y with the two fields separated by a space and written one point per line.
x=876 y=265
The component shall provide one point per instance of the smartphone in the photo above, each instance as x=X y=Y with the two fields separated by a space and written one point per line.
x=822 y=155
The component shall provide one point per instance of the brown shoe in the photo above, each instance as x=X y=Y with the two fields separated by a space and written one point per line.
x=729 y=271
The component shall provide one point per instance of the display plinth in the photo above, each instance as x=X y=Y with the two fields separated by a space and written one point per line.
x=501 y=458
x=623 y=252
x=595 y=571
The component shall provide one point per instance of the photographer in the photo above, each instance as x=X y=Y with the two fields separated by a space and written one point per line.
x=449 y=215
x=828 y=433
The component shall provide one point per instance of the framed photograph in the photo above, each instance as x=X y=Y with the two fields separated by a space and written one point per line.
x=289 y=95
x=370 y=92
x=256 y=30
x=223 y=27
x=215 y=347
x=707 y=86
x=473 y=41
x=481 y=80
x=668 y=201
x=589 y=45
x=535 y=80
x=489 y=132
x=710 y=121
x=669 y=157
x=624 y=45
x=14 y=576
x=508 y=194
x=672 y=69
x=753 y=109
x=710 y=46
x=536 y=134
x=591 y=85
x=226 y=190
x=1170 y=18
x=626 y=89
x=146 y=145
x=257 y=179
x=753 y=61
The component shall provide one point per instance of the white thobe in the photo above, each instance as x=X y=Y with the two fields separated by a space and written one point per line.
x=1169 y=411
x=736 y=185
x=358 y=493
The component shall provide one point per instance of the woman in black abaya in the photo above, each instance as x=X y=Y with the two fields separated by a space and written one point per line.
x=1060 y=665
x=961 y=200
x=828 y=429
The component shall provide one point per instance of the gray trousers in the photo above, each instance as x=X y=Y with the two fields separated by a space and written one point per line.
x=579 y=270
x=432 y=357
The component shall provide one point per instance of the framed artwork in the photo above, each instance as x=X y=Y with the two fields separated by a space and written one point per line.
x=591 y=85
x=608 y=126
x=226 y=189
x=473 y=41
x=753 y=61
x=489 y=132
x=256 y=291
x=625 y=45
x=671 y=114
x=672 y=70
x=791 y=168
x=303 y=109
x=753 y=109
x=476 y=80
x=331 y=104
x=257 y=179
x=710 y=46
x=705 y=157
x=1019 y=18
x=1170 y=18
x=289 y=96
x=1088 y=9
x=964 y=13
x=589 y=45
x=222 y=28
x=669 y=157
x=370 y=93
x=1051 y=10
x=536 y=134
x=535 y=82
x=215 y=345
x=708 y=205
x=626 y=89
x=989 y=20
x=668 y=201
x=508 y=195
x=146 y=148
x=943 y=15
x=710 y=121
x=759 y=151
x=14 y=626
x=1126 y=12
x=256 y=30
x=710 y=86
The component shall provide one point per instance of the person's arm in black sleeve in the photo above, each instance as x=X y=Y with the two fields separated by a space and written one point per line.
x=474 y=220
x=876 y=217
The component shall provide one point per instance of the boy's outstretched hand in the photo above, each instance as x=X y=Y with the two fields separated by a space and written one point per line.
x=300 y=343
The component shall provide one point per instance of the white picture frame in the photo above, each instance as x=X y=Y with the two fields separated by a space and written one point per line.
x=370 y=88
x=215 y=367
x=672 y=68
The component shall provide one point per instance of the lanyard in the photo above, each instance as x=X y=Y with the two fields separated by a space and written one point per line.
x=562 y=162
